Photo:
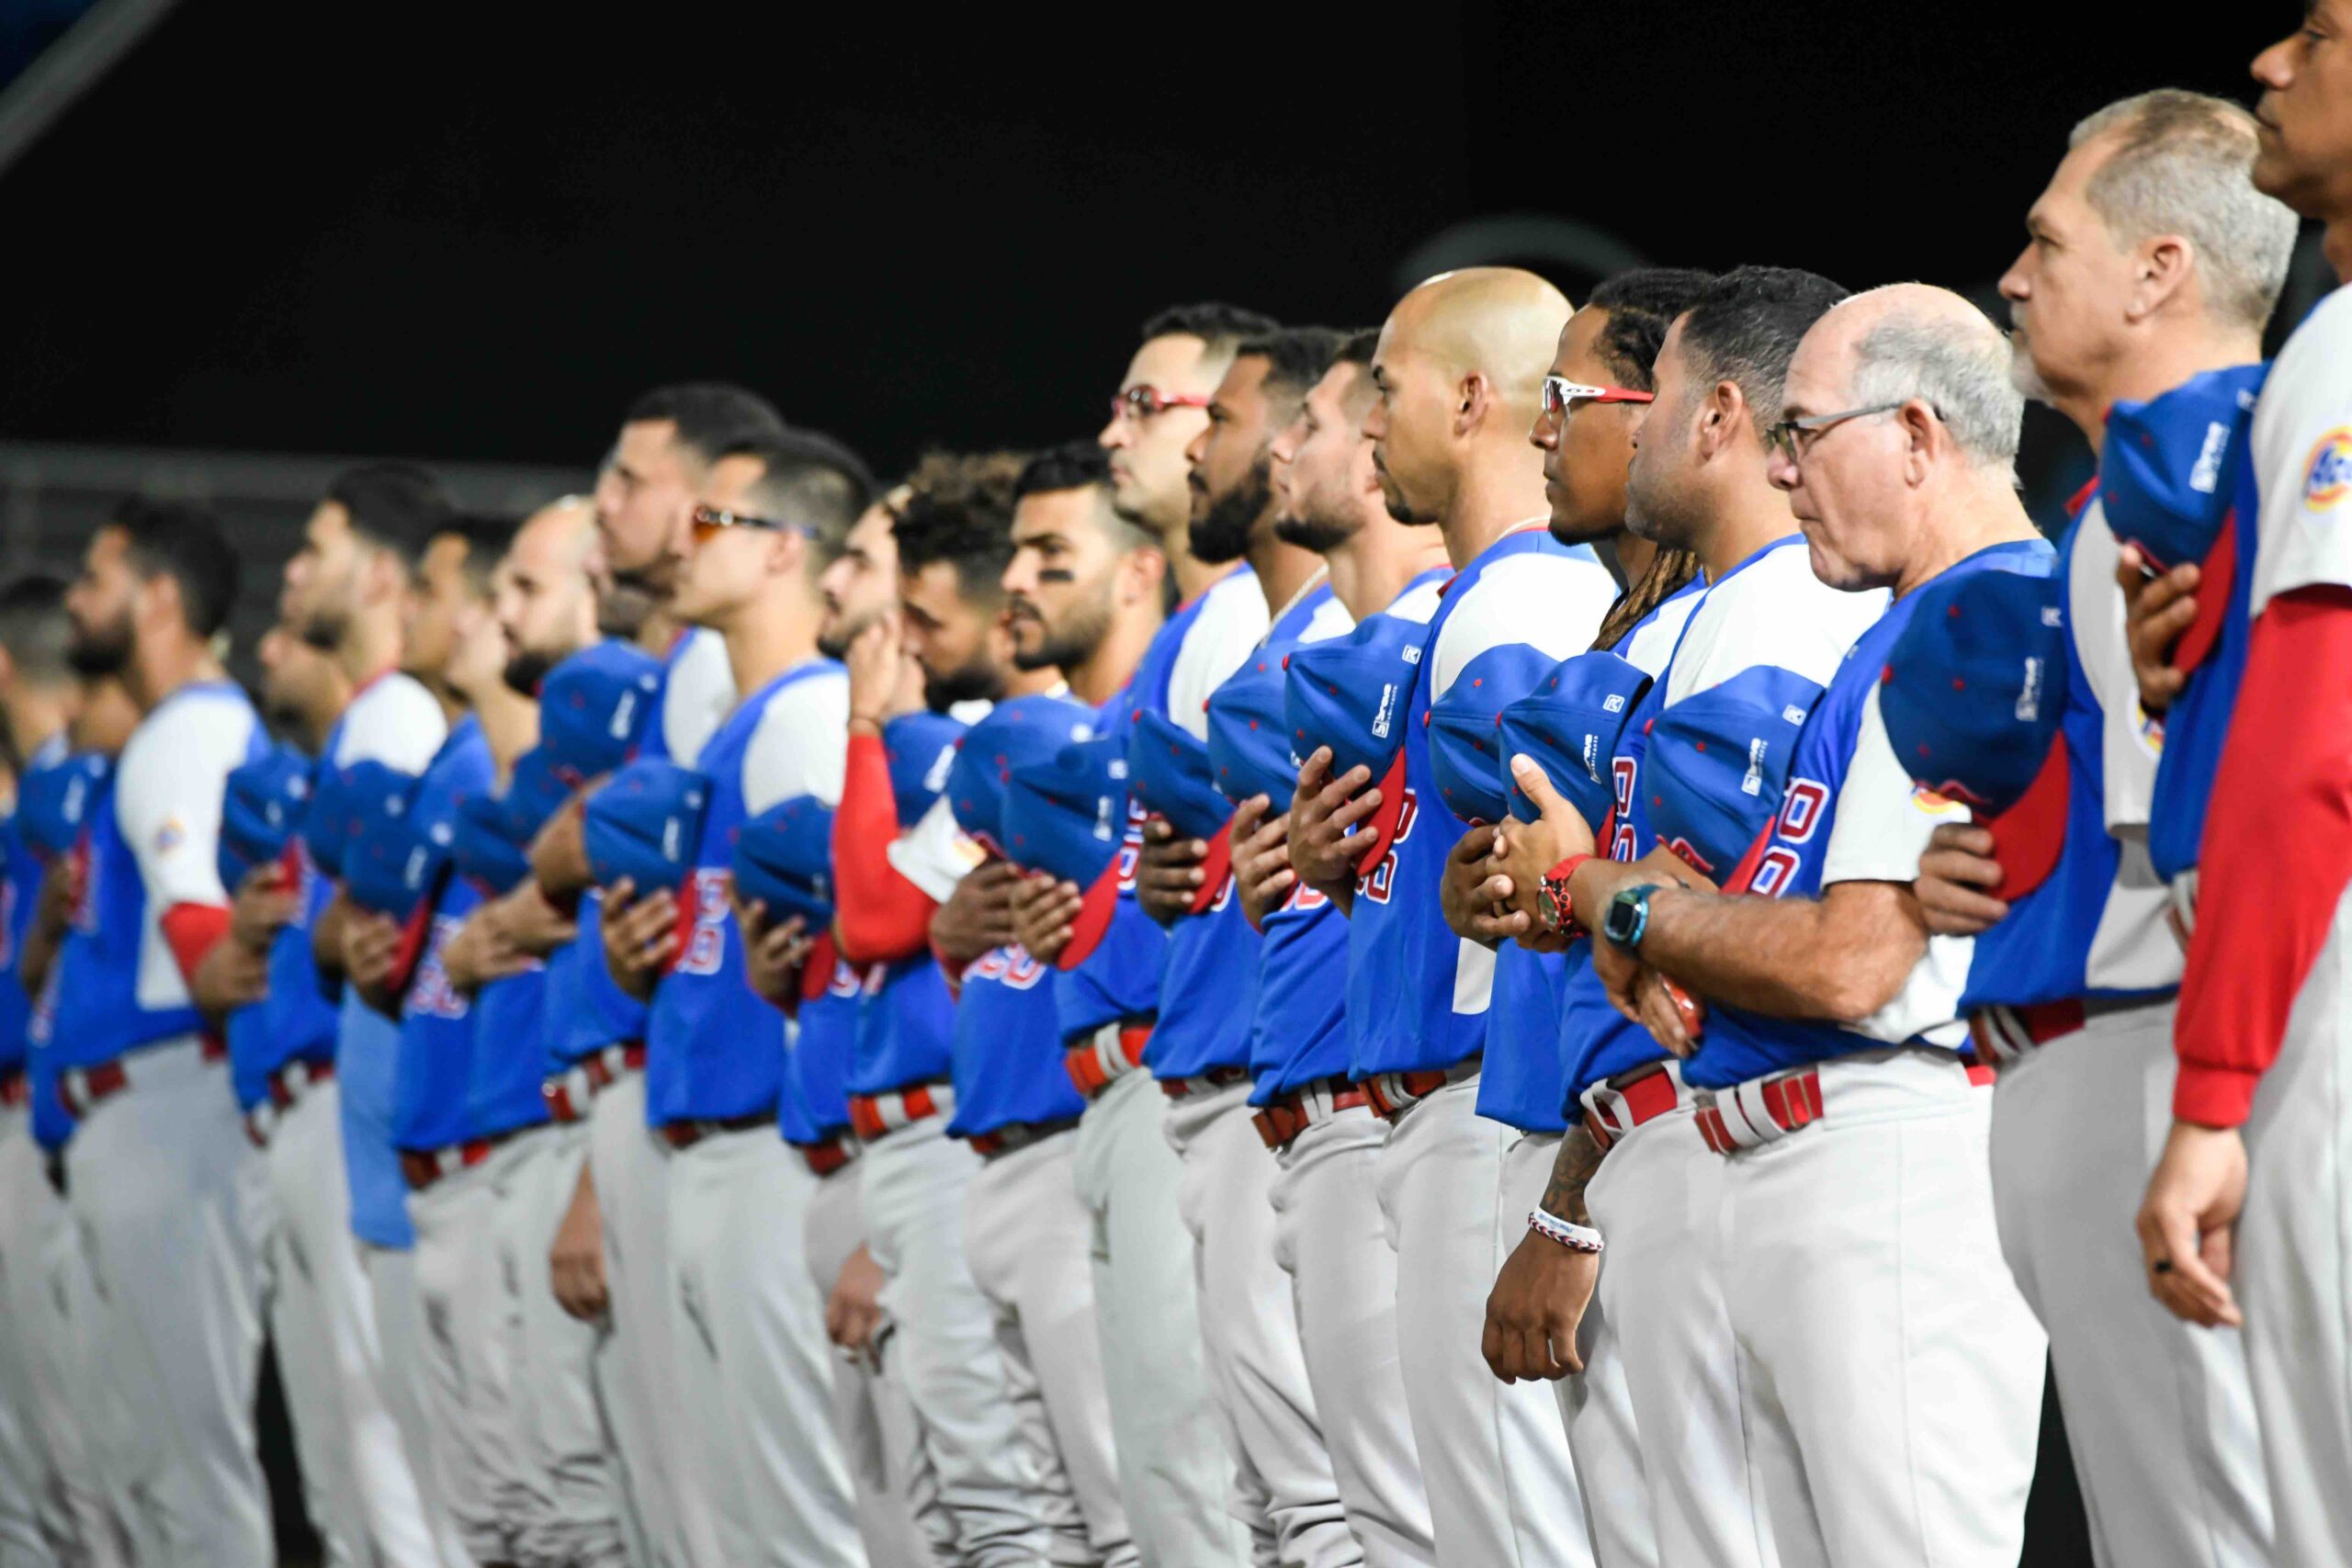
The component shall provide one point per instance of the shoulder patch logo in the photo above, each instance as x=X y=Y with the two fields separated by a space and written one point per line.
x=170 y=836
x=2327 y=474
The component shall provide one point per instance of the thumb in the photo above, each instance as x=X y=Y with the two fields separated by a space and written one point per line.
x=1536 y=783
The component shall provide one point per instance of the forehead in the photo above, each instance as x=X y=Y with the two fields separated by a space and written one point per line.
x=1171 y=362
x=2066 y=198
x=1068 y=512
x=330 y=521
x=540 y=548
x=1576 y=355
x=445 y=558
x=1245 y=380
x=872 y=531
x=1817 y=372
x=646 y=445
x=938 y=584
x=730 y=479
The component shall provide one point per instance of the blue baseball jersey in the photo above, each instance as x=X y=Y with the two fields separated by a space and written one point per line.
x=566 y=982
x=1008 y=1047
x=2197 y=722
x=296 y=1020
x=906 y=1026
x=19 y=894
x=429 y=1105
x=503 y=1093
x=714 y=1050
x=815 y=1102
x=1416 y=993
x=1851 y=814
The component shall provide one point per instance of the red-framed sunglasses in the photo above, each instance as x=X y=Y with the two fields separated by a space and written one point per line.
x=1561 y=395
x=1143 y=403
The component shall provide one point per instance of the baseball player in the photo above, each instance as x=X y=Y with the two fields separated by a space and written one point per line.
x=2078 y=970
x=1827 y=1000
x=1698 y=483
x=749 y=1339
x=2249 y=1200
x=1502 y=1486
x=158 y=1166
x=1200 y=1049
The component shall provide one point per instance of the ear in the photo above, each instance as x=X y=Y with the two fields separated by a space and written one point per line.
x=2162 y=268
x=1474 y=395
x=1141 y=572
x=1923 y=437
x=1720 y=418
x=383 y=576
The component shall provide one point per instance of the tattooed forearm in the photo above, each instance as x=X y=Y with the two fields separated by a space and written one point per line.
x=1572 y=1167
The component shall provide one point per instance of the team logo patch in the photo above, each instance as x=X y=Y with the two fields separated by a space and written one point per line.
x=2327 y=475
x=170 y=836
x=1928 y=800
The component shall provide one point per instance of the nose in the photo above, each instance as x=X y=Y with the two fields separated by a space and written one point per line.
x=1779 y=471
x=1545 y=432
x=2271 y=69
x=2014 y=287
x=1198 y=446
x=1113 y=433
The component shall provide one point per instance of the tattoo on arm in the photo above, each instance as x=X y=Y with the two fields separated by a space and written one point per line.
x=1572 y=1167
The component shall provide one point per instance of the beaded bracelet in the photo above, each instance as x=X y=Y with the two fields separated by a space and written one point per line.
x=1574 y=1238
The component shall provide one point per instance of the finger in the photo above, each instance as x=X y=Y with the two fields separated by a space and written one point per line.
x=1158 y=830
x=1502 y=928
x=2179 y=1274
x=1354 y=811
x=1333 y=793
x=1535 y=784
x=1490 y=1345
x=1497 y=889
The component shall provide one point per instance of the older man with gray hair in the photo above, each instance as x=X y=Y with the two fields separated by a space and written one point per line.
x=2150 y=269
x=1890 y=1375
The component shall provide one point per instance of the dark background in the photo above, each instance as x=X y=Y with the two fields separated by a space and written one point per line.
x=452 y=233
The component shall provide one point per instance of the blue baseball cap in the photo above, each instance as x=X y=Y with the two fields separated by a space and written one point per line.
x=485 y=850
x=921 y=747
x=341 y=806
x=1718 y=765
x=52 y=801
x=1169 y=770
x=1352 y=693
x=594 y=706
x=1249 y=752
x=784 y=857
x=2166 y=480
x=263 y=803
x=646 y=824
x=1569 y=725
x=1466 y=728
x=537 y=791
x=1068 y=817
x=1016 y=731
x=1972 y=696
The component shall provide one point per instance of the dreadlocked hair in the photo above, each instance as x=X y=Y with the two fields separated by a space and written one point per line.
x=1669 y=571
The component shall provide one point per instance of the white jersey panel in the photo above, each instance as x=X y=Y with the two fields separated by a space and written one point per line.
x=167 y=793
x=1231 y=622
x=1553 y=603
x=1772 y=611
x=697 y=697
x=2127 y=744
x=392 y=720
x=800 y=745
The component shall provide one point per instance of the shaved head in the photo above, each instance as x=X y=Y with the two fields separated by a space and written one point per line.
x=1494 y=320
x=545 y=606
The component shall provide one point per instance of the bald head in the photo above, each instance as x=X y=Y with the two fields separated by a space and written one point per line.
x=546 y=607
x=1911 y=340
x=1495 y=322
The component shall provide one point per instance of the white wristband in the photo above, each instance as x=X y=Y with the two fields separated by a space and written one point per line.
x=1574 y=1238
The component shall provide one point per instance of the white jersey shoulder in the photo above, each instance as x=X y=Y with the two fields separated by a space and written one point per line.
x=1553 y=603
x=2128 y=746
x=395 y=721
x=1231 y=622
x=167 y=791
x=698 y=697
x=1418 y=601
x=2302 y=457
x=1651 y=644
x=1772 y=611
x=1331 y=619
x=935 y=853
x=800 y=743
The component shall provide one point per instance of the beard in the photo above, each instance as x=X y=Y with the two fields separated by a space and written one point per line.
x=102 y=649
x=835 y=638
x=526 y=669
x=977 y=679
x=622 y=609
x=1311 y=528
x=1221 y=532
x=324 y=628
x=1066 y=647
x=2023 y=375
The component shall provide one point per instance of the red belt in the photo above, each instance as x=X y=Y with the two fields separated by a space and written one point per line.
x=1107 y=1056
x=423 y=1168
x=876 y=1115
x=286 y=1085
x=831 y=1154
x=1393 y=1094
x=83 y=1089
x=1203 y=1083
x=15 y=1088
x=687 y=1135
x=1761 y=1110
x=1288 y=1114
x=2002 y=1034
x=1616 y=1106
x=1017 y=1135
x=569 y=1094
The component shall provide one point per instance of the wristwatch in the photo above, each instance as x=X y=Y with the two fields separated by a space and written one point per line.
x=1629 y=917
x=1552 y=900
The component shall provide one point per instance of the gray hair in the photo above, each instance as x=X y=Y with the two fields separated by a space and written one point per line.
x=2184 y=166
x=1959 y=367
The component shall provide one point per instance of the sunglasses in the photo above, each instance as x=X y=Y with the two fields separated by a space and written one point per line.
x=1561 y=396
x=710 y=522
x=1144 y=402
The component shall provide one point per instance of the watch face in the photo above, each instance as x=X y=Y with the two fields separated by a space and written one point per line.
x=1624 y=914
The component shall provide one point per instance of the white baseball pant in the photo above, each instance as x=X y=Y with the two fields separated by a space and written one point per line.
x=299 y=1338
x=1596 y=1407
x=1285 y=1491
x=1502 y=1487
x=1329 y=1237
x=755 y=1379
x=870 y=1415
x=406 y=1385
x=945 y=1353
x=2159 y=1413
x=1173 y=1469
x=468 y=1380
x=158 y=1178
x=1030 y=1244
x=1890 y=1373
x=118 y=1451
x=566 y=1493
x=1655 y=1200
x=632 y=1179
x=2294 y=1255
x=324 y=1316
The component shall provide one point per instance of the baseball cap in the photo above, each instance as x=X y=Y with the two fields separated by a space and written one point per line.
x=380 y=845
x=536 y=792
x=2166 y=480
x=486 y=850
x=1068 y=817
x=1569 y=725
x=1249 y=745
x=1016 y=731
x=1466 y=728
x=339 y=805
x=646 y=824
x=1718 y=764
x=263 y=803
x=784 y=857
x=593 y=707
x=921 y=747
x=1167 y=769
x=1352 y=693
x=52 y=801
x=1972 y=697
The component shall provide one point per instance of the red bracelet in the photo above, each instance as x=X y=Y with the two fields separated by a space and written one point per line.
x=1551 y=896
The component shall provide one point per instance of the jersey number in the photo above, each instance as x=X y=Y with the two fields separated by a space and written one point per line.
x=1382 y=880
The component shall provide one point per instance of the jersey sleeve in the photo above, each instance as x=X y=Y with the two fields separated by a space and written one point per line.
x=167 y=797
x=800 y=745
x=2095 y=615
x=697 y=697
x=2302 y=457
x=396 y=722
x=1553 y=603
x=1231 y=624
x=1883 y=820
x=936 y=855
x=1776 y=613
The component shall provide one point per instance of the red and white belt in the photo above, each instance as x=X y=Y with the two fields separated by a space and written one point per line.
x=878 y=1115
x=1200 y=1084
x=1616 y=1106
x=1763 y=1110
x=685 y=1133
x=16 y=1089
x=1112 y=1052
x=570 y=1092
x=287 y=1086
x=422 y=1168
x=83 y=1089
x=829 y=1155
x=1284 y=1117
x=1015 y=1136
x=1393 y=1094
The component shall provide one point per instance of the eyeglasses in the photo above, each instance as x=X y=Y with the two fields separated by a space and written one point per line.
x=1561 y=396
x=1143 y=403
x=1793 y=438
x=710 y=522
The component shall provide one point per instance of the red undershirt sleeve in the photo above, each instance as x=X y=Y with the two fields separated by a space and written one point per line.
x=191 y=930
x=880 y=915
x=2276 y=853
